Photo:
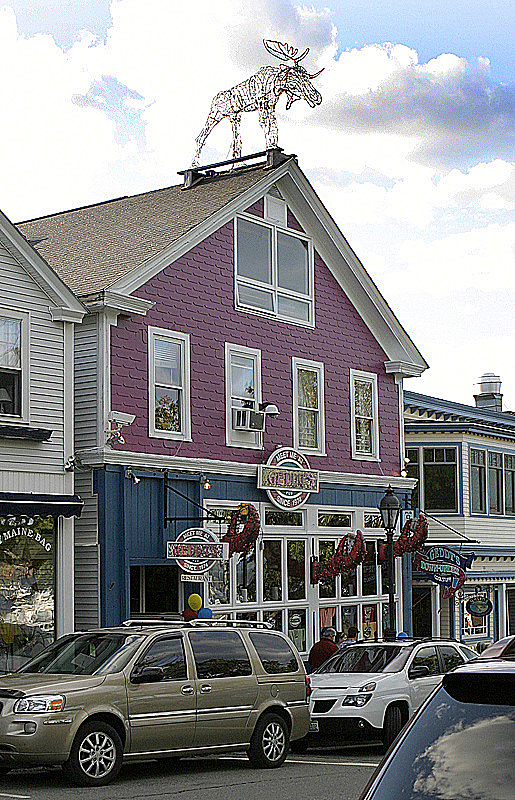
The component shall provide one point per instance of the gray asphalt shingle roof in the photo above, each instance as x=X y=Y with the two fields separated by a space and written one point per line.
x=92 y=247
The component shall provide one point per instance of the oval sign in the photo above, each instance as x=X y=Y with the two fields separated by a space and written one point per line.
x=479 y=608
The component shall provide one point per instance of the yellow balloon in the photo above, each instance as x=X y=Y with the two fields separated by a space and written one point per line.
x=195 y=602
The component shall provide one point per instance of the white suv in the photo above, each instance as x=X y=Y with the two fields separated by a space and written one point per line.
x=374 y=687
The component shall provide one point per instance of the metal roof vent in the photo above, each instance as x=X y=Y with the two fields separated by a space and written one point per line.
x=489 y=396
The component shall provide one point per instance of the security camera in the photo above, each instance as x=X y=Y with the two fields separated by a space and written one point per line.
x=121 y=418
x=270 y=409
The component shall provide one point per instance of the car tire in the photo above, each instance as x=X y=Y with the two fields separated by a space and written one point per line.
x=269 y=743
x=299 y=746
x=392 y=725
x=96 y=755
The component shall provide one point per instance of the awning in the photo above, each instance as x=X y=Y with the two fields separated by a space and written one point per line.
x=40 y=505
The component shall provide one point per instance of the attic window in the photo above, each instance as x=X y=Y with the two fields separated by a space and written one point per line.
x=274 y=271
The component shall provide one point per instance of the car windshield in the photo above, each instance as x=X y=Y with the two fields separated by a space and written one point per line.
x=99 y=653
x=461 y=747
x=367 y=658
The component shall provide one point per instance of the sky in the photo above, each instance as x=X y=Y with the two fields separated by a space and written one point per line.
x=411 y=149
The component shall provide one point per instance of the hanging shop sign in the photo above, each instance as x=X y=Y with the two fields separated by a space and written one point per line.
x=287 y=478
x=444 y=566
x=197 y=550
x=479 y=606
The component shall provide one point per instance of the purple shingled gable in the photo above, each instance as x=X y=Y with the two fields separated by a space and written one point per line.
x=195 y=295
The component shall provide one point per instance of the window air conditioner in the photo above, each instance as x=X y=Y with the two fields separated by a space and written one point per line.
x=246 y=419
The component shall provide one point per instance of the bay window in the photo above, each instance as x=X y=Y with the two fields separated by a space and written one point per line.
x=495 y=487
x=478 y=482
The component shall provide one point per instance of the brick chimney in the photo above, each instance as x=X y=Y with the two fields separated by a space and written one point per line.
x=489 y=396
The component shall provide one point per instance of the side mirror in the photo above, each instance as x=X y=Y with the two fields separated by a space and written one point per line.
x=148 y=675
x=418 y=672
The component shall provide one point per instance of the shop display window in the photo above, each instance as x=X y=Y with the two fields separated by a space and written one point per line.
x=369 y=570
x=332 y=519
x=293 y=519
x=369 y=630
x=297 y=628
x=246 y=577
x=472 y=625
x=296 y=554
x=27 y=588
x=326 y=587
x=349 y=618
x=272 y=570
x=327 y=617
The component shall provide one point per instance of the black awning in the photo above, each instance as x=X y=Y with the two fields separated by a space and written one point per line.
x=17 y=504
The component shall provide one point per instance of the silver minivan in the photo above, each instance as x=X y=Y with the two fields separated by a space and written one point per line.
x=91 y=700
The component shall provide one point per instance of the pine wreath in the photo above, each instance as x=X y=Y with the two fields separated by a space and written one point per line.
x=343 y=560
x=242 y=540
x=407 y=543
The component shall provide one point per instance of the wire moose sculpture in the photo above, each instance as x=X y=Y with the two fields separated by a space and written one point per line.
x=261 y=92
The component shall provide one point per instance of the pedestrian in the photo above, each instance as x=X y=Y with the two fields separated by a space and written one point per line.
x=322 y=649
x=351 y=638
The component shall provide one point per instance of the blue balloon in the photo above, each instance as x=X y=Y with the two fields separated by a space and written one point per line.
x=205 y=613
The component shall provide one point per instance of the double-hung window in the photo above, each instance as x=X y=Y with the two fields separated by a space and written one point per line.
x=243 y=395
x=440 y=479
x=495 y=481
x=308 y=406
x=274 y=272
x=509 y=483
x=364 y=415
x=14 y=364
x=169 y=384
x=478 y=481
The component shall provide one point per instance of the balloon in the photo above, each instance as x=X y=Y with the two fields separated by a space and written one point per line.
x=205 y=613
x=189 y=614
x=195 y=602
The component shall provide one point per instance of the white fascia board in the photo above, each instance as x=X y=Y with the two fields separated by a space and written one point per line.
x=101 y=456
x=148 y=269
x=119 y=302
x=348 y=270
x=63 y=314
x=45 y=277
x=403 y=369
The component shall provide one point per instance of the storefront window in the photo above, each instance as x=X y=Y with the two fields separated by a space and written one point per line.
x=297 y=628
x=349 y=583
x=272 y=570
x=472 y=625
x=349 y=618
x=290 y=519
x=370 y=622
x=327 y=617
x=274 y=618
x=246 y=577
x=218 y=588
x=369 y=570
x=326 y=587
x=334 y=520
x=27 y=595
x=296 y=570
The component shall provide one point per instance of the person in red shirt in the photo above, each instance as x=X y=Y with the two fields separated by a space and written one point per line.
x=321 y=650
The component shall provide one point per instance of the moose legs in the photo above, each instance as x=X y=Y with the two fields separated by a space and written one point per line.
x=268 y=122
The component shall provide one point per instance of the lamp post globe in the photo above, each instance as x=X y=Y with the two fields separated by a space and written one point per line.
x=390 y=508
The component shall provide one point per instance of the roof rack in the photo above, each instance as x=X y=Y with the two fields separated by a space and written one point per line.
x=193 y=623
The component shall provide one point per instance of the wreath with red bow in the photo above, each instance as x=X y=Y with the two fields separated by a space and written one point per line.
x=413 y=536
x=343 y=560
x=243 y=529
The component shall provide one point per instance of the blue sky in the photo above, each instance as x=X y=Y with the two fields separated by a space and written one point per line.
x=412 y=148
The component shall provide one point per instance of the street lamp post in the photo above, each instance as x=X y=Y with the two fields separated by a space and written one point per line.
x=390 y=509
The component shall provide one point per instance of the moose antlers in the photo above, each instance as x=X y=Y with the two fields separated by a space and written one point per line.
x=286 y=52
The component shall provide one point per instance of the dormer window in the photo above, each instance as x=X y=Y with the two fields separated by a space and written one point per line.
x=274 y=271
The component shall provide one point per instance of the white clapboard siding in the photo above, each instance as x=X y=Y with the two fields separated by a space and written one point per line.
x=86 y=383
x=87 y=603
x=19 y=458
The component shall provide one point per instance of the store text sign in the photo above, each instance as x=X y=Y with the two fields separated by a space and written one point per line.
x=287 y=478
x=444 y=566
x=196 y=550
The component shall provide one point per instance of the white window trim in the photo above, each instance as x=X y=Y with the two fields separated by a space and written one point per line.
x=184 y=341
x=24 y=318
x=356 y=374
x=273 y=287
x=318 y=367
x=250 y=440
